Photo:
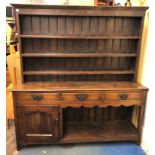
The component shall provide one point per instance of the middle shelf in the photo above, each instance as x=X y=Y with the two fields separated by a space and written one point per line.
x=105 y=54
x=78 y=72
x=78 y=37
x=79 y=46
x=80 y=65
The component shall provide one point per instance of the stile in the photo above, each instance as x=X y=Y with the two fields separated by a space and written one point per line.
x=53 y=25
x=69 y=26
x=93 y=26
x=36 y=25
x=61 y=26
x=85 y=26
x=26 y=25
x=77 y=26
x=44 y=25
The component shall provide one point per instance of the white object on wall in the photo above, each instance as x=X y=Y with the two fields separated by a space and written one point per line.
x=53 y=2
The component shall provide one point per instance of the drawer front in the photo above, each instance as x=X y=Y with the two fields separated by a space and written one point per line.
x=123 y=96
x=93 y=96
x=78 y=99
x=30 y=98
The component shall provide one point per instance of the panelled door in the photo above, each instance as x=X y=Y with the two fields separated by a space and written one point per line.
x=38 y=124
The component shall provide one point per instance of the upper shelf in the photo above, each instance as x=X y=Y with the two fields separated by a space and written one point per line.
x=79 y=37
x=78 y=72
x=61 y=55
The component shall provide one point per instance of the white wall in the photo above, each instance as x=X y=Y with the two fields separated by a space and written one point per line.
x=81 y=2
x=147 y=77
x=53 y=2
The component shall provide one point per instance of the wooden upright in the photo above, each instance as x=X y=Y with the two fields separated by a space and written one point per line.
x=79 y=74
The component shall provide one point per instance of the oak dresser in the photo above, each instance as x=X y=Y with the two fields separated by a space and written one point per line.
x=79 y=74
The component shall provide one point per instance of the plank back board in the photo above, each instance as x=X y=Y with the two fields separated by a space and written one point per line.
x=75 y=43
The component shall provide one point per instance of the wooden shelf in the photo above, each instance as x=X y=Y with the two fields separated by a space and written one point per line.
x=61 y=55
x=99 y=132
x=77 y=72
x=79 y=37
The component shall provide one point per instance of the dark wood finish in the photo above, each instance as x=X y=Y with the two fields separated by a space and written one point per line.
x=97 y=111
x=80 y=55
x=33 y=98
x=141 y=118
x=93 y=96
x=76 y=72
x=80 y=94
x=79 y=69
x=79 y=10
x=111 y=31
x=79 y=37
x=99 y=132
x=38 y=124
x=123 y=95
x=78 y=86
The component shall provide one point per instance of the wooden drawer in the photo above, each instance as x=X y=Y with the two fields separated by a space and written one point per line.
x=80 y=99
x=123 y=96
x=29 y=98
x=92 y=96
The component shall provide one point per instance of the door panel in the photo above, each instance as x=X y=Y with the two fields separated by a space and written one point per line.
x=39 y=124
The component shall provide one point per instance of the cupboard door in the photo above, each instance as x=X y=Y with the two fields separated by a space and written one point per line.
x=38 y=125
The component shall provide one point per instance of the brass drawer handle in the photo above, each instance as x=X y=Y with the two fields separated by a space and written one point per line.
x=37 y=97
x=81 y=97
x=123 y=96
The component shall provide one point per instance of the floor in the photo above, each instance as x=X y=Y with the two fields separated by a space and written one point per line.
x=73 y=149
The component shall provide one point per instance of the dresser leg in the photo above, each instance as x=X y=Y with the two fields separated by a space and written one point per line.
x=140 y=124
x=141 y=119
x=20 y=146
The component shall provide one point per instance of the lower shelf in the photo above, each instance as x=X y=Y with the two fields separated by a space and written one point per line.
x=99 y=132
